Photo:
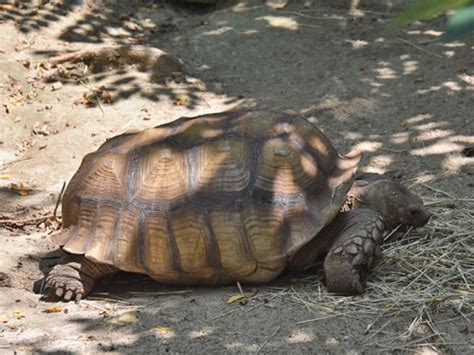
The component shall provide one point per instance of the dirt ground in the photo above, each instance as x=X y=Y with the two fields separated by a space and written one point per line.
x=405 y=98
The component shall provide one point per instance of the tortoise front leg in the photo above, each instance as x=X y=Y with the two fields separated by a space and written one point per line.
x=350 y=258
x=76 y=276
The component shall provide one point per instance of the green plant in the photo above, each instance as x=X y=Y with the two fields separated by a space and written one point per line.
x=460 y=22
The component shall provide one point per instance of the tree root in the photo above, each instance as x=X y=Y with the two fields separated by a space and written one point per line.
x=160 y=62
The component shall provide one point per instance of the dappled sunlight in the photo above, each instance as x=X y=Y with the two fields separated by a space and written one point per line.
x=454 y=44
x=358 y=44
x=219 y=31
x=468 y=79
x=449 y=54
x=438 y=148
x=367 y=146
x=429 y=135
x=431 y=125
x=286 y=23
x=239 y=346
x=382 y=161
x=300 y=336
x=353 y=136
x=386 y=73
x=451 y=86
x=454 y=163
x=400 y=137
x=417 y=119
x=409 y=67
x=406 y=105
x=204 y=332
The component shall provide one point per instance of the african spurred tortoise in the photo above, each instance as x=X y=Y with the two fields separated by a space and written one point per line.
x=220 y=198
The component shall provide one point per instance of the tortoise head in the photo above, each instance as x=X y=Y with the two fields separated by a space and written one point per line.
x=397 y=204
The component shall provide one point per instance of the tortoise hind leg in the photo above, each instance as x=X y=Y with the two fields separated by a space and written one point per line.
x=350 y=258
x=76 y=276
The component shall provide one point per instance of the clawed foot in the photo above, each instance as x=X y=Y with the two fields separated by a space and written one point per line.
x=350 y=259
x=69 y=282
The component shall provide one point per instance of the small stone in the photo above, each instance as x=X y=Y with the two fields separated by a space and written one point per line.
x=56 y=86
x=337 y=250
x=357 y=240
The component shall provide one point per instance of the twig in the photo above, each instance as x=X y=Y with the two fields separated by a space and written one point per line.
x=268 y=339
x=408 y=43
x=32 y=220
x=225 y=313
x=4 y=165
x=58 y=201
x=438 y=190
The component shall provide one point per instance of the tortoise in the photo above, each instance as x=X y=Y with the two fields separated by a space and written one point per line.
x=220 y=198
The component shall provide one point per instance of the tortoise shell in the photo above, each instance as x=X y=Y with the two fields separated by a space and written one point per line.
x=212 y=199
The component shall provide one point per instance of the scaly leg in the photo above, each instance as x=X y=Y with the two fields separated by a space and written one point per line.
x=76 y=276
x=350 y=258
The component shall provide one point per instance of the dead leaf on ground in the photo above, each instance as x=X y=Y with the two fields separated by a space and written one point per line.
x=17 y=100
x=182 y=100
x=88 y=99
x=104 y=95
x=19 y=314
x=235 y=298
x=242 y=297
x=31 y=94
x=54 y=309
x=164 y=332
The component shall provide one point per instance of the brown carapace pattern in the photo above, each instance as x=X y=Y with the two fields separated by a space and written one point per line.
x=207 y=200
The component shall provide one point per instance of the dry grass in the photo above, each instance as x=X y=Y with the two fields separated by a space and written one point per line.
x=419 y=274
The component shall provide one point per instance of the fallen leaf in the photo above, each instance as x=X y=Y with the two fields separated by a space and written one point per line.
x=53 y=309
x=89 y=100
x=164 y=332
x=17 y=100
x=104 y=95
x=5 y=177
x=26 y=63
x=182 y=100
x=19 y=314
x=31 y=94
x=235 y=298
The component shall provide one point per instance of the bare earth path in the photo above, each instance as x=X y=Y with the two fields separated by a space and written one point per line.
x=405 y=98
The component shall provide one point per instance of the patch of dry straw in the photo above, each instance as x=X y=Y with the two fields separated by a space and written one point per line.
x=421 y=273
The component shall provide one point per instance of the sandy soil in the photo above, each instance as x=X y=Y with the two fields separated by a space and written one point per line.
x=405 y=98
